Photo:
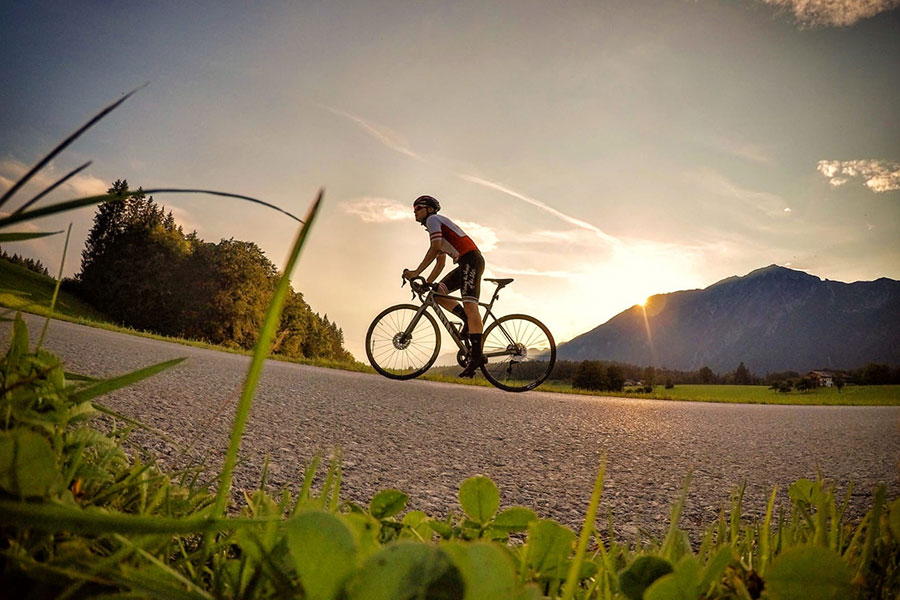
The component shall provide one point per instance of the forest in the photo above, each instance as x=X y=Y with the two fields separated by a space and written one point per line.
x=140 y=269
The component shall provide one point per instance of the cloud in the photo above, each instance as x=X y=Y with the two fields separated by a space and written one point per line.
x=385 y=135
x=720 y=185
x=395 y=142
x=548 y=209
x=378 y=210
x=879 y=175
x=832 y=13
x=484 y=237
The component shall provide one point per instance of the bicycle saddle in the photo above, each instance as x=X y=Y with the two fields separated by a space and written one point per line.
x=500 y=282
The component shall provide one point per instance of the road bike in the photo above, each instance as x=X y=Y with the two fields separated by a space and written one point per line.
x=404 y=341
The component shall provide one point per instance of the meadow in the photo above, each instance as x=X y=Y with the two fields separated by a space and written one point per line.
x=851 y=395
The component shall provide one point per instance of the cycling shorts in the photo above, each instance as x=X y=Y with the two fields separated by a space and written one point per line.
x=466 y=277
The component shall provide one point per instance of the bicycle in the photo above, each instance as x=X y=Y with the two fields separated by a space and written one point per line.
x=403 y=341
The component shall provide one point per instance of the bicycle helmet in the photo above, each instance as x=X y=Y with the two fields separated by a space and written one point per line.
x=428 y=202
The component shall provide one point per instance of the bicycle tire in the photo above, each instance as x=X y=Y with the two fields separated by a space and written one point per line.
x=402 y=359
x=533 y=353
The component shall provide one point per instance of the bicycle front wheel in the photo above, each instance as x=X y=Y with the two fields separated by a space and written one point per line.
x=520 y=352
x=397 y=355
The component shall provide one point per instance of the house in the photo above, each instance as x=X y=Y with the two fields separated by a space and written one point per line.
x=822 y=378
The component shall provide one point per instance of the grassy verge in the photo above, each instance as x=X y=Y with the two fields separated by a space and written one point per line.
x=859 y=395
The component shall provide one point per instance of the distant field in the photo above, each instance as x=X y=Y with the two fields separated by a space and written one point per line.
x=863 y=395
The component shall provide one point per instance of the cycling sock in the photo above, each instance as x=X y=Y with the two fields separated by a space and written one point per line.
x=475 y=339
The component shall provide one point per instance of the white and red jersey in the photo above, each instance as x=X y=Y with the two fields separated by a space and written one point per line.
x=454 y=241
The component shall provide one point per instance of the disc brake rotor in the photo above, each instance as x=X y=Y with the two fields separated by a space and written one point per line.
x=401 y=341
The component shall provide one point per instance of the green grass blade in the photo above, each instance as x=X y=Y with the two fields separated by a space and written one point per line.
x=63 y=145
x=587 y=530
x=60 y=207
x=868 y=550
x=164 y=568
x=52 y=187
x=162 y=434
x=62 y=265
x=273 y=316
x=765 y=536
x=21 y=236
x=223 y=194
x=108 y=385
x=56 y=517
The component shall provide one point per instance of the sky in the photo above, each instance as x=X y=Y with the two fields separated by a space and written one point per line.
x=598 y=152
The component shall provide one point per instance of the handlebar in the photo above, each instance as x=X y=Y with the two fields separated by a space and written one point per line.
x=418 y=285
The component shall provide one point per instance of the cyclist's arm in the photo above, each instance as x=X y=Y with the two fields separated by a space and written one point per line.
x=439 y=263
x=433 y=252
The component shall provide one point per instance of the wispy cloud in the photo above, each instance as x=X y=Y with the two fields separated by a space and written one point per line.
x=536 y=272
x=746 y=150
x=720 y=185
x=395 y=141
x=879 y=175
x=493 y=185
x=377 y=210
x=832 y=13
x=385 y=135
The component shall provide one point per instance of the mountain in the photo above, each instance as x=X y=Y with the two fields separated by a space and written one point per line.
x=772 y=319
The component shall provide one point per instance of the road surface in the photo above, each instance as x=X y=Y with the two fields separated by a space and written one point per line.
x=541 y=449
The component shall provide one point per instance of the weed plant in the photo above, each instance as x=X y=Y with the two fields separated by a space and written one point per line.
x=81 y=518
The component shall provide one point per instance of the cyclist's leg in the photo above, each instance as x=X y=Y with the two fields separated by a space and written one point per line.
x=451 y=283
x=472 y=269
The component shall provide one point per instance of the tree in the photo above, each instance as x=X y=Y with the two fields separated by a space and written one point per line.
x=590 y=375
x=616 y=377
x=131 y=254
x=238 y=286
x=649 y=377
x=706 y=375
x=742 y=375
x=23 y=261
x=140 y=268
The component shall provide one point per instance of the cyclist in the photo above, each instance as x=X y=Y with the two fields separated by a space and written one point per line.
x=448 y=239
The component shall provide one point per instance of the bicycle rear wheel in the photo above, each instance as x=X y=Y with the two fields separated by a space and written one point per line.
x=520 y=352
x=395 y=355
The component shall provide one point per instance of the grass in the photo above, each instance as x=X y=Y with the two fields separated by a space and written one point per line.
x=853 y=395
x=25 y=290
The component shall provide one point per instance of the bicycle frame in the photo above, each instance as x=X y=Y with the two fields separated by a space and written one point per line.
x=430 y=301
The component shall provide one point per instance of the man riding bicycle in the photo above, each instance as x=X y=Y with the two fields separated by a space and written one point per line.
x=447 y=238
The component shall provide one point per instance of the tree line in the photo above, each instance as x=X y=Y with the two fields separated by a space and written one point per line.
x=23 y=261
x=612 y=376
x=141 y=269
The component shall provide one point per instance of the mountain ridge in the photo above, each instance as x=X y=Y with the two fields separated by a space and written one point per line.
x=772 y=319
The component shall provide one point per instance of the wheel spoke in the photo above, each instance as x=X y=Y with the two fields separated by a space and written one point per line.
x=398 y=356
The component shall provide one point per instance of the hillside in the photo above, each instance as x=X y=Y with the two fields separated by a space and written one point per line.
x=772 y=319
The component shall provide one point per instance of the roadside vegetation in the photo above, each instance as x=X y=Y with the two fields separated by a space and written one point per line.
x=85 y=513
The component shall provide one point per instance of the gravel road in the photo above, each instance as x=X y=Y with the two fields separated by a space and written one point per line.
x=541 y=449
